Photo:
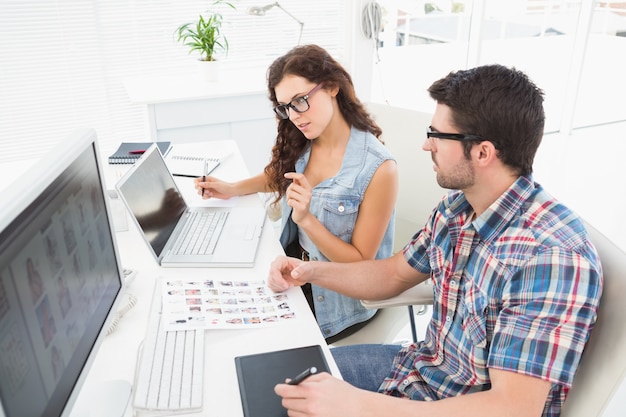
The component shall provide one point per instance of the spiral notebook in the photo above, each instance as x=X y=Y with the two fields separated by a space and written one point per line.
x=190 y=166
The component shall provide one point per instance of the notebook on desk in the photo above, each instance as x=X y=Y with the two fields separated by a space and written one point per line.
x=191 y=160
x=179 y=235
x=190 y=166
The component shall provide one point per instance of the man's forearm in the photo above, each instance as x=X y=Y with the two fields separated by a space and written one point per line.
x=370 y=279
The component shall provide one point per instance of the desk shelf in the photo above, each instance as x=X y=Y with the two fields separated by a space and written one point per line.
x=187 y=109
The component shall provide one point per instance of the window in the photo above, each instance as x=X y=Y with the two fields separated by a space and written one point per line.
x=571 y=49
x=602 y=89
x=64 y=62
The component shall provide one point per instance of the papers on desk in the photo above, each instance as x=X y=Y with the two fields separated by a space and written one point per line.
x=222 y=304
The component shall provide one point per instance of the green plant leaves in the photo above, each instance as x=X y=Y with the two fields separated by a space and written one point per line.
x=204 y=36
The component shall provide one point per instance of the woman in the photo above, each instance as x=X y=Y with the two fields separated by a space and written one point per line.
x=335 y=179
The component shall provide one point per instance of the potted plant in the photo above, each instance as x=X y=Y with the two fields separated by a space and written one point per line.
x=205 y=36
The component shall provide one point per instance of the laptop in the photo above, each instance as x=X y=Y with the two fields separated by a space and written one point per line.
x=230 y=235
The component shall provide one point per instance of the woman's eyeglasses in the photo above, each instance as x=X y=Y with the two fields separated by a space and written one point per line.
x=299 y=104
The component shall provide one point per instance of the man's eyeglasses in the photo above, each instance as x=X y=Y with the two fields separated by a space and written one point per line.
x=430 y=133
x=299 y=104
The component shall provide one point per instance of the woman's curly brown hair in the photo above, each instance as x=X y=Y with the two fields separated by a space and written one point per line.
x=316 y=65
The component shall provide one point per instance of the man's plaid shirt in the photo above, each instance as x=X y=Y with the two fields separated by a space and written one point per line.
x=515 y=289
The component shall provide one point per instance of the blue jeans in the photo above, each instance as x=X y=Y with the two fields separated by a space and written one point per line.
x=365 y=366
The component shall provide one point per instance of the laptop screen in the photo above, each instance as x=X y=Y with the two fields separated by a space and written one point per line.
x=151 y=194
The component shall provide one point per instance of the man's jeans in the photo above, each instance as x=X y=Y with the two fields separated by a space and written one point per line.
x=365 y=366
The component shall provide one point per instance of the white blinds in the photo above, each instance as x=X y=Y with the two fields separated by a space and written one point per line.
x=63 y=62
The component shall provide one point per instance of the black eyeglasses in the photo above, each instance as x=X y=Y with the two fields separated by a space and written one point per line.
x=299 y=104
x=430 y=133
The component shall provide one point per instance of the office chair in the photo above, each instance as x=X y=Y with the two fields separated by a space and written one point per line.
x=419 y=295
x=404 y=131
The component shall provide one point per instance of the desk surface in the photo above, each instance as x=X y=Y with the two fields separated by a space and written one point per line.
x=118 y=354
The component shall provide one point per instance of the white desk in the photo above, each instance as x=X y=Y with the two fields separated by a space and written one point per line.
x=118 y=355
x=186 y=108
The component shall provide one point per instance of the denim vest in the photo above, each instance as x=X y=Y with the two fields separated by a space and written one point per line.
x=335 y=203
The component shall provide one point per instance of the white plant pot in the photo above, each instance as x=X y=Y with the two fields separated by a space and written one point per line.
x=209 y=70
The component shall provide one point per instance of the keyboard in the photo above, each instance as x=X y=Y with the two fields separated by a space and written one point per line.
x=203 y=231
x=170 y=368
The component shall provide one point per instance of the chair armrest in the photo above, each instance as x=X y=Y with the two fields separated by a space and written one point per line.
x=421 y=294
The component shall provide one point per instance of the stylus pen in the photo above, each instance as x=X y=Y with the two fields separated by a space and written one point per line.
x=304 y=375
x=206 y=168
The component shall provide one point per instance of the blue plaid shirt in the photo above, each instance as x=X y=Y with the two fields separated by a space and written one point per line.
x=515 y=289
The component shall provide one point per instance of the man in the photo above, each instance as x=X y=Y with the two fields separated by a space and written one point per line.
x=516 y=280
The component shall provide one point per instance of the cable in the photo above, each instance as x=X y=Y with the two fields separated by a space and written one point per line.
x=371 y=24
x=371 y=20
x=132 y=300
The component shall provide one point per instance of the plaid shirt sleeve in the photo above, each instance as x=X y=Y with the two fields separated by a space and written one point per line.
x=546 y=313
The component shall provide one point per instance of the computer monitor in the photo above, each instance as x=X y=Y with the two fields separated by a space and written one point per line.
x=60 y=279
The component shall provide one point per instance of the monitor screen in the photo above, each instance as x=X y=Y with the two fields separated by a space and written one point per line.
x=59 y=280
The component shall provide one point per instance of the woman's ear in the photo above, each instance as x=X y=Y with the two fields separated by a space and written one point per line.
x=333 y=89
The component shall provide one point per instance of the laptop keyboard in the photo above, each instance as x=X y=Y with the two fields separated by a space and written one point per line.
x=170 y=370
x=203 y=233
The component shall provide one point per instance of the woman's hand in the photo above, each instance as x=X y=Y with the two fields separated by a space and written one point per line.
x=212 y=187
x=299 y=197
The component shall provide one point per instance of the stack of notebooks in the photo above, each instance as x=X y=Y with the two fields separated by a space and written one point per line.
x=129 y=152
x=179 y=164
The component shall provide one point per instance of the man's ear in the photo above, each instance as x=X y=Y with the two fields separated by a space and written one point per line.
x=485 y=152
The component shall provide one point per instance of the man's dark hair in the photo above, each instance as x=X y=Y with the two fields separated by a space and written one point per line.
x=499 y=104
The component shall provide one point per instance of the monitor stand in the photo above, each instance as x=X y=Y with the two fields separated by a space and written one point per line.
x=104 y=399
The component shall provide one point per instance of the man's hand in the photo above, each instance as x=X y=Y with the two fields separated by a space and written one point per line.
x=321 y=395
x=286 y=272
